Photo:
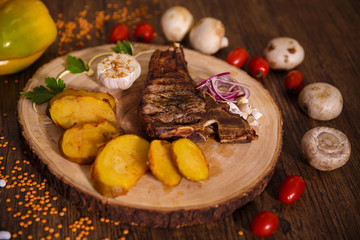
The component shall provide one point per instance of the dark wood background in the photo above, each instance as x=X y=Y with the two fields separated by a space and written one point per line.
x=31 y=208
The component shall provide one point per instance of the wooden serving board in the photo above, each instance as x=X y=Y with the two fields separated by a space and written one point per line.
x=238 y=172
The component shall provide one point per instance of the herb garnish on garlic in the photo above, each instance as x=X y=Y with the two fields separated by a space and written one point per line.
x=74 y=65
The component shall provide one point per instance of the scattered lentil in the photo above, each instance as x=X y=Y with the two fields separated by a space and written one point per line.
x=32 y=203
x=81 y=28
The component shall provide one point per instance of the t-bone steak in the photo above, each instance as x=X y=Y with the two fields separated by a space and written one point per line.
x=171 y=107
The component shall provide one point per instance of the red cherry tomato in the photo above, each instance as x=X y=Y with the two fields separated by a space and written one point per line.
x=294 y=82
x=144 y=32
x=291 y=189
x=264 y=223
x=258 y=67
x=238 y=57
x=119 y=32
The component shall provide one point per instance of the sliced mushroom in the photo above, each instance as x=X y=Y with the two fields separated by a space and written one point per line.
x=321 y=101
x=208 y=36
x=325 y=148
x=176 y=23
x=284 y=53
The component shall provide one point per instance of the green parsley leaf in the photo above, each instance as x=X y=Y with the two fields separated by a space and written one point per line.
x=56 y=86
x=124 y=47
x=42 y=94
x=76 y=65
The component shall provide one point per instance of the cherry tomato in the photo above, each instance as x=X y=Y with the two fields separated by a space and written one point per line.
x=291 y=189
x=238 y=57
x=119 y=32
x=258 y=67
x=144 y=32
x=294 y=82
x=264 y=223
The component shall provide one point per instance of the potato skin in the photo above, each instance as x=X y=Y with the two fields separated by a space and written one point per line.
x=161 y=163
x=190 y=160
x=83 y=92
x=80 y=143
x=120 y=164
x=69 y=110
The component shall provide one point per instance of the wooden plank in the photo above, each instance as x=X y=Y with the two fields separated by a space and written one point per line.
x=238 y=172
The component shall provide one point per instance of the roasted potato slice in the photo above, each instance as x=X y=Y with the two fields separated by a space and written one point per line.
x=120 y=164
x=69 y=110
x=190 y=160
x=81 y=143
x=83 y=92
x=161 y=163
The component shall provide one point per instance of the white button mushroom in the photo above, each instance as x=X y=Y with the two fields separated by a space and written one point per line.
x=284 y=53
x=321 y=101
x=325 y=148
x=208 y=36
x=176 y=23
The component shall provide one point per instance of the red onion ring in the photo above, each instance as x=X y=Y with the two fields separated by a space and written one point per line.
x=225 y=88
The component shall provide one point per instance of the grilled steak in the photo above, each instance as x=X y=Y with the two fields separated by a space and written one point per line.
x=171 y=107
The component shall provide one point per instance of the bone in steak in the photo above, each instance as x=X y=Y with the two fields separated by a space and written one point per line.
x=171 y=107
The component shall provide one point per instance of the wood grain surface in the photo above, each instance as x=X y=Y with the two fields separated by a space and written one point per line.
x=33 y=208
x=238 y=172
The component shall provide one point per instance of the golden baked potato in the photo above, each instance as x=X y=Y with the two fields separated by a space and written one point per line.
x=161 y=163
x=83 y=92
x=190 y=160
x=69 y=110
x=120 y=164
x=81 y=143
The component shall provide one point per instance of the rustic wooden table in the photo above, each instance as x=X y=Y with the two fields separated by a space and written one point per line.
x=31 y=208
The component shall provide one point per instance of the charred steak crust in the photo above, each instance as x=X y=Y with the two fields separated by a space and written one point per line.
x=171 y=107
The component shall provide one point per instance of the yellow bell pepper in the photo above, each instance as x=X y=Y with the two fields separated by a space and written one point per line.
x=26 y=31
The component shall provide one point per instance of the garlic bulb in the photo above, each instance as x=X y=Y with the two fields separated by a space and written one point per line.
x=118 y=71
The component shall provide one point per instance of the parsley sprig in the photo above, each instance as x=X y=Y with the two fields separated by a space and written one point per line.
x=124 y=47
x=76 y=65
x=43 y=94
